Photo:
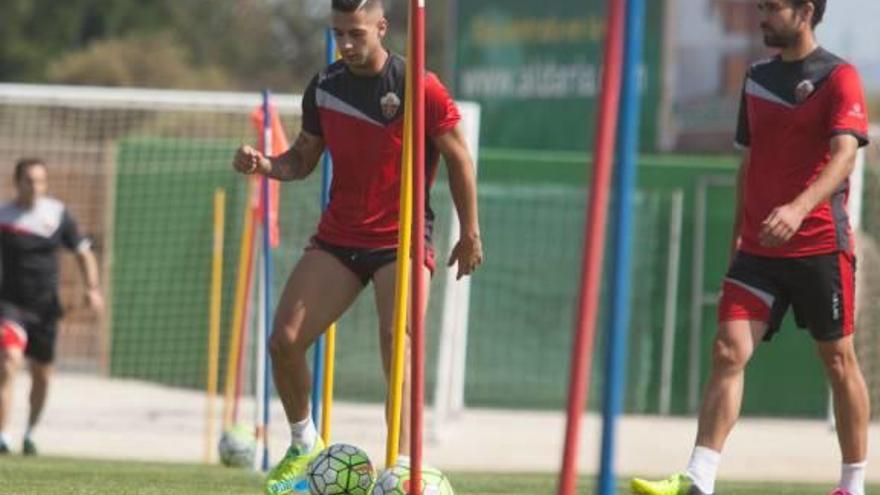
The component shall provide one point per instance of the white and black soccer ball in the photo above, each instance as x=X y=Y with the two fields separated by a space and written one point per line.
x=341 y=469
x=237 y=446
x=396 y=481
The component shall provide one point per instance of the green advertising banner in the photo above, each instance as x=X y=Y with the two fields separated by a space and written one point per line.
x=535 y=67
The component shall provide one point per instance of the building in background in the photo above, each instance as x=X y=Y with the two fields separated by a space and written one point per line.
x=713 y=44
x=527 y=62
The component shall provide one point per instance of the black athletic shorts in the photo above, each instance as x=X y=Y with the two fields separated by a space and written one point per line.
x=365 y=262
x=820 y=290
x=41 y=328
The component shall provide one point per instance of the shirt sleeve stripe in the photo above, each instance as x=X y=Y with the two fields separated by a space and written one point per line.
x=860 y=136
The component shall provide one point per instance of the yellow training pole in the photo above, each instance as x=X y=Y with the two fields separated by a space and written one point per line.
x=214 y=319
x=395 y=392
x=241 y=286
x=329 y=365
x=330 y=334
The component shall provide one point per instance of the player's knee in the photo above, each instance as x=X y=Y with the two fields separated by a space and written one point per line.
x=839 y=363
x=40 y=374
x=284 y=342
x=729 y=356
x=10 y=359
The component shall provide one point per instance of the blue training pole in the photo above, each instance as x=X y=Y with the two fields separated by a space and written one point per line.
x=318 y=366
x=327 y=175
x=267 y=271
x=625 y=182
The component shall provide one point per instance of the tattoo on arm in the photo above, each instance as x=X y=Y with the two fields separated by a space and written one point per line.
x=298 y=161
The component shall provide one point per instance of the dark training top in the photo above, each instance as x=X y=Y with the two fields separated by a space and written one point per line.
x=29 y=240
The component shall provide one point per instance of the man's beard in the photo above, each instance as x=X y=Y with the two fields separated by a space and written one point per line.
x=779 y=40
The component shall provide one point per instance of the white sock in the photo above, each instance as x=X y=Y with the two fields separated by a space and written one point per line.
x=303 y=434
x=703 y=468
x=4 y=437
x=852 y=477
x=403 y=460
x=28 y=432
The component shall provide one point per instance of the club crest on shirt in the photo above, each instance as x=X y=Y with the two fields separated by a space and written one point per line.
x=803 y=90
x=857 y=111
x=390 y=105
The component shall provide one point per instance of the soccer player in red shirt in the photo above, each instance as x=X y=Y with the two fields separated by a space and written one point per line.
x=354 y=110
x=801 y=121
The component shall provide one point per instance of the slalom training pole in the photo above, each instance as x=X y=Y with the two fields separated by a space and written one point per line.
x=267 y=274
x=239 y=307
x=402 y=286
x=325 y=347
x=216 y=303
x=591 y=268
x=624 y=200
x=418 y=299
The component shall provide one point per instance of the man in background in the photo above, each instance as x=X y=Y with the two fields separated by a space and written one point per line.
x=33 y=227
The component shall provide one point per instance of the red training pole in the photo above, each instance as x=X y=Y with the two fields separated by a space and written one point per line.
x=591 y=270
x=417 y=58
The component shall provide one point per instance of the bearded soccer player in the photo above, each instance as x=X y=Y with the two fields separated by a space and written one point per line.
x=801 y=122
x=354 y=109
x=32 y=229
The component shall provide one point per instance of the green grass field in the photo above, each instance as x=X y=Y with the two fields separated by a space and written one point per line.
x=50 y=476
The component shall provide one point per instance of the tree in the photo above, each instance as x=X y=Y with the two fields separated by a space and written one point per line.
x=237 y=44
x=151 y=60
x=37 y=31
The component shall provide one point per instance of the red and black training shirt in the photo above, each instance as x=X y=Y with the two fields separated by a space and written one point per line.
x=361 y=122
x=789 y=113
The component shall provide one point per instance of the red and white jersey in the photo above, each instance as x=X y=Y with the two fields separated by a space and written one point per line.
x=788 y=115
x=361 y=122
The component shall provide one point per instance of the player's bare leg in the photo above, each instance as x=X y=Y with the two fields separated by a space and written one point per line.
x=40 y=375
x=384 y=281
x=734 y=345
x=851 y=408
x=317 y=292
x=10 y=361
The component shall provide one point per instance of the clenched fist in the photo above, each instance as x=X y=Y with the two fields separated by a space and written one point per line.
x=248 y=161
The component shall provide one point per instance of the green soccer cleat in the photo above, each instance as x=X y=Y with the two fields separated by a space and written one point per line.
x=28 y=447
x=677 y=484
x=4 y=449
x=289 y=476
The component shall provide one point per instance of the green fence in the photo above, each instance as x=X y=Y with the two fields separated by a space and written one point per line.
x=522 y=308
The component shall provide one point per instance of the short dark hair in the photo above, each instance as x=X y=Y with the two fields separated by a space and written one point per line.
x=22 y=165
x=349 y=6
x=818 y=9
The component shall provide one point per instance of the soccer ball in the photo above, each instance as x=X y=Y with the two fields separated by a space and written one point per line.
x=395 y=481
x=237 y=446
x=341 y=469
